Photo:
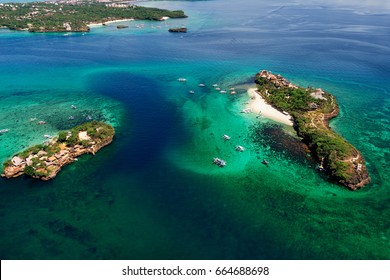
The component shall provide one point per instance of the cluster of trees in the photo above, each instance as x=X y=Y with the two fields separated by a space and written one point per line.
x=95 y=130
x=328 y=147
x=285 y=98
x=51 y=17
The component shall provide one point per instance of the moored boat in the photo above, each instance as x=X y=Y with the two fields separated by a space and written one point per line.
x=240 y=148
x=246 y=110
x=219 y=162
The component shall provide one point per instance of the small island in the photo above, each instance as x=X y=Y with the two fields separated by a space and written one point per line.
x=75 y=16
x=44 y=161
x=311 y=109
x=178 y=30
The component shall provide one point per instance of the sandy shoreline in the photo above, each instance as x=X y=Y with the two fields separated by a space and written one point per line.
x=258 y=105
x=108 y=22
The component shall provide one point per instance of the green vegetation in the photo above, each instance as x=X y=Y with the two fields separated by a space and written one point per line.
x=311 y=110
x=95 y=130
x=62 y=136
x=45 y=160
x=63 y=17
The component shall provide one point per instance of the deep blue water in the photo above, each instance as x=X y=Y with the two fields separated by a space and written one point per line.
x=154 y=193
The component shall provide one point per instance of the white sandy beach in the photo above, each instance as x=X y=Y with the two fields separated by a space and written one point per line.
x=258 y=105
x=108 y=22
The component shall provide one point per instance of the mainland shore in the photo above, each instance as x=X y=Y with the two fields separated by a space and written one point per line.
x=258 y=105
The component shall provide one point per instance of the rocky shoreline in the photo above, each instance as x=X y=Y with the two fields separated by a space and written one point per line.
x=45 y=161
x=311 y=109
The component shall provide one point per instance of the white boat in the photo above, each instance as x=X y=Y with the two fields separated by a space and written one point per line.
x=223 y=91
x=246 y=110
x=41 y=122
x=202 y=85
x=233 y=92
x=71 y=118
x=231 y=89
x=47 y=136
x=33 y=119
x=88 y=118
x=182 y=79
x=226 y=137
x=215 y=85
x=4 y=131
x=73 y=106
x=265 y=162
x=217 y=88
x=219 y=162
x=240 y=148
x=191 y=91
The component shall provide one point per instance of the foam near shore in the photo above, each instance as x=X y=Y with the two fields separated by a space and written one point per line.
x=258 y=105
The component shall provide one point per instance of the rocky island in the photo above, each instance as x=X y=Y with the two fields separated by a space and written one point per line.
x=178 y=30
x=44 y=161
x=74 y=16
x=311 y=109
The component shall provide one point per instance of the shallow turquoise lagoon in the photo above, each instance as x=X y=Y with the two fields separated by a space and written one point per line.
x=154 y=192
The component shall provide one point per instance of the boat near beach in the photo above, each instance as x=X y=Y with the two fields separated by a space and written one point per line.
x=2 y=131
x=219 y=162
x=240 y=148
x=246 y=110
x=226 y=137
x=265 y=162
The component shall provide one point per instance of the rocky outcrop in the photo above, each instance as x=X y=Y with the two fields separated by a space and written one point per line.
x=42 y=163
x=178 y=30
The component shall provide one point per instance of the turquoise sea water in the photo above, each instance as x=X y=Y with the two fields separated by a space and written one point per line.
x=154 y=192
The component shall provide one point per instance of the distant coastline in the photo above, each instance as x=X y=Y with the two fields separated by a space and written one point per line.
x=43 y=17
